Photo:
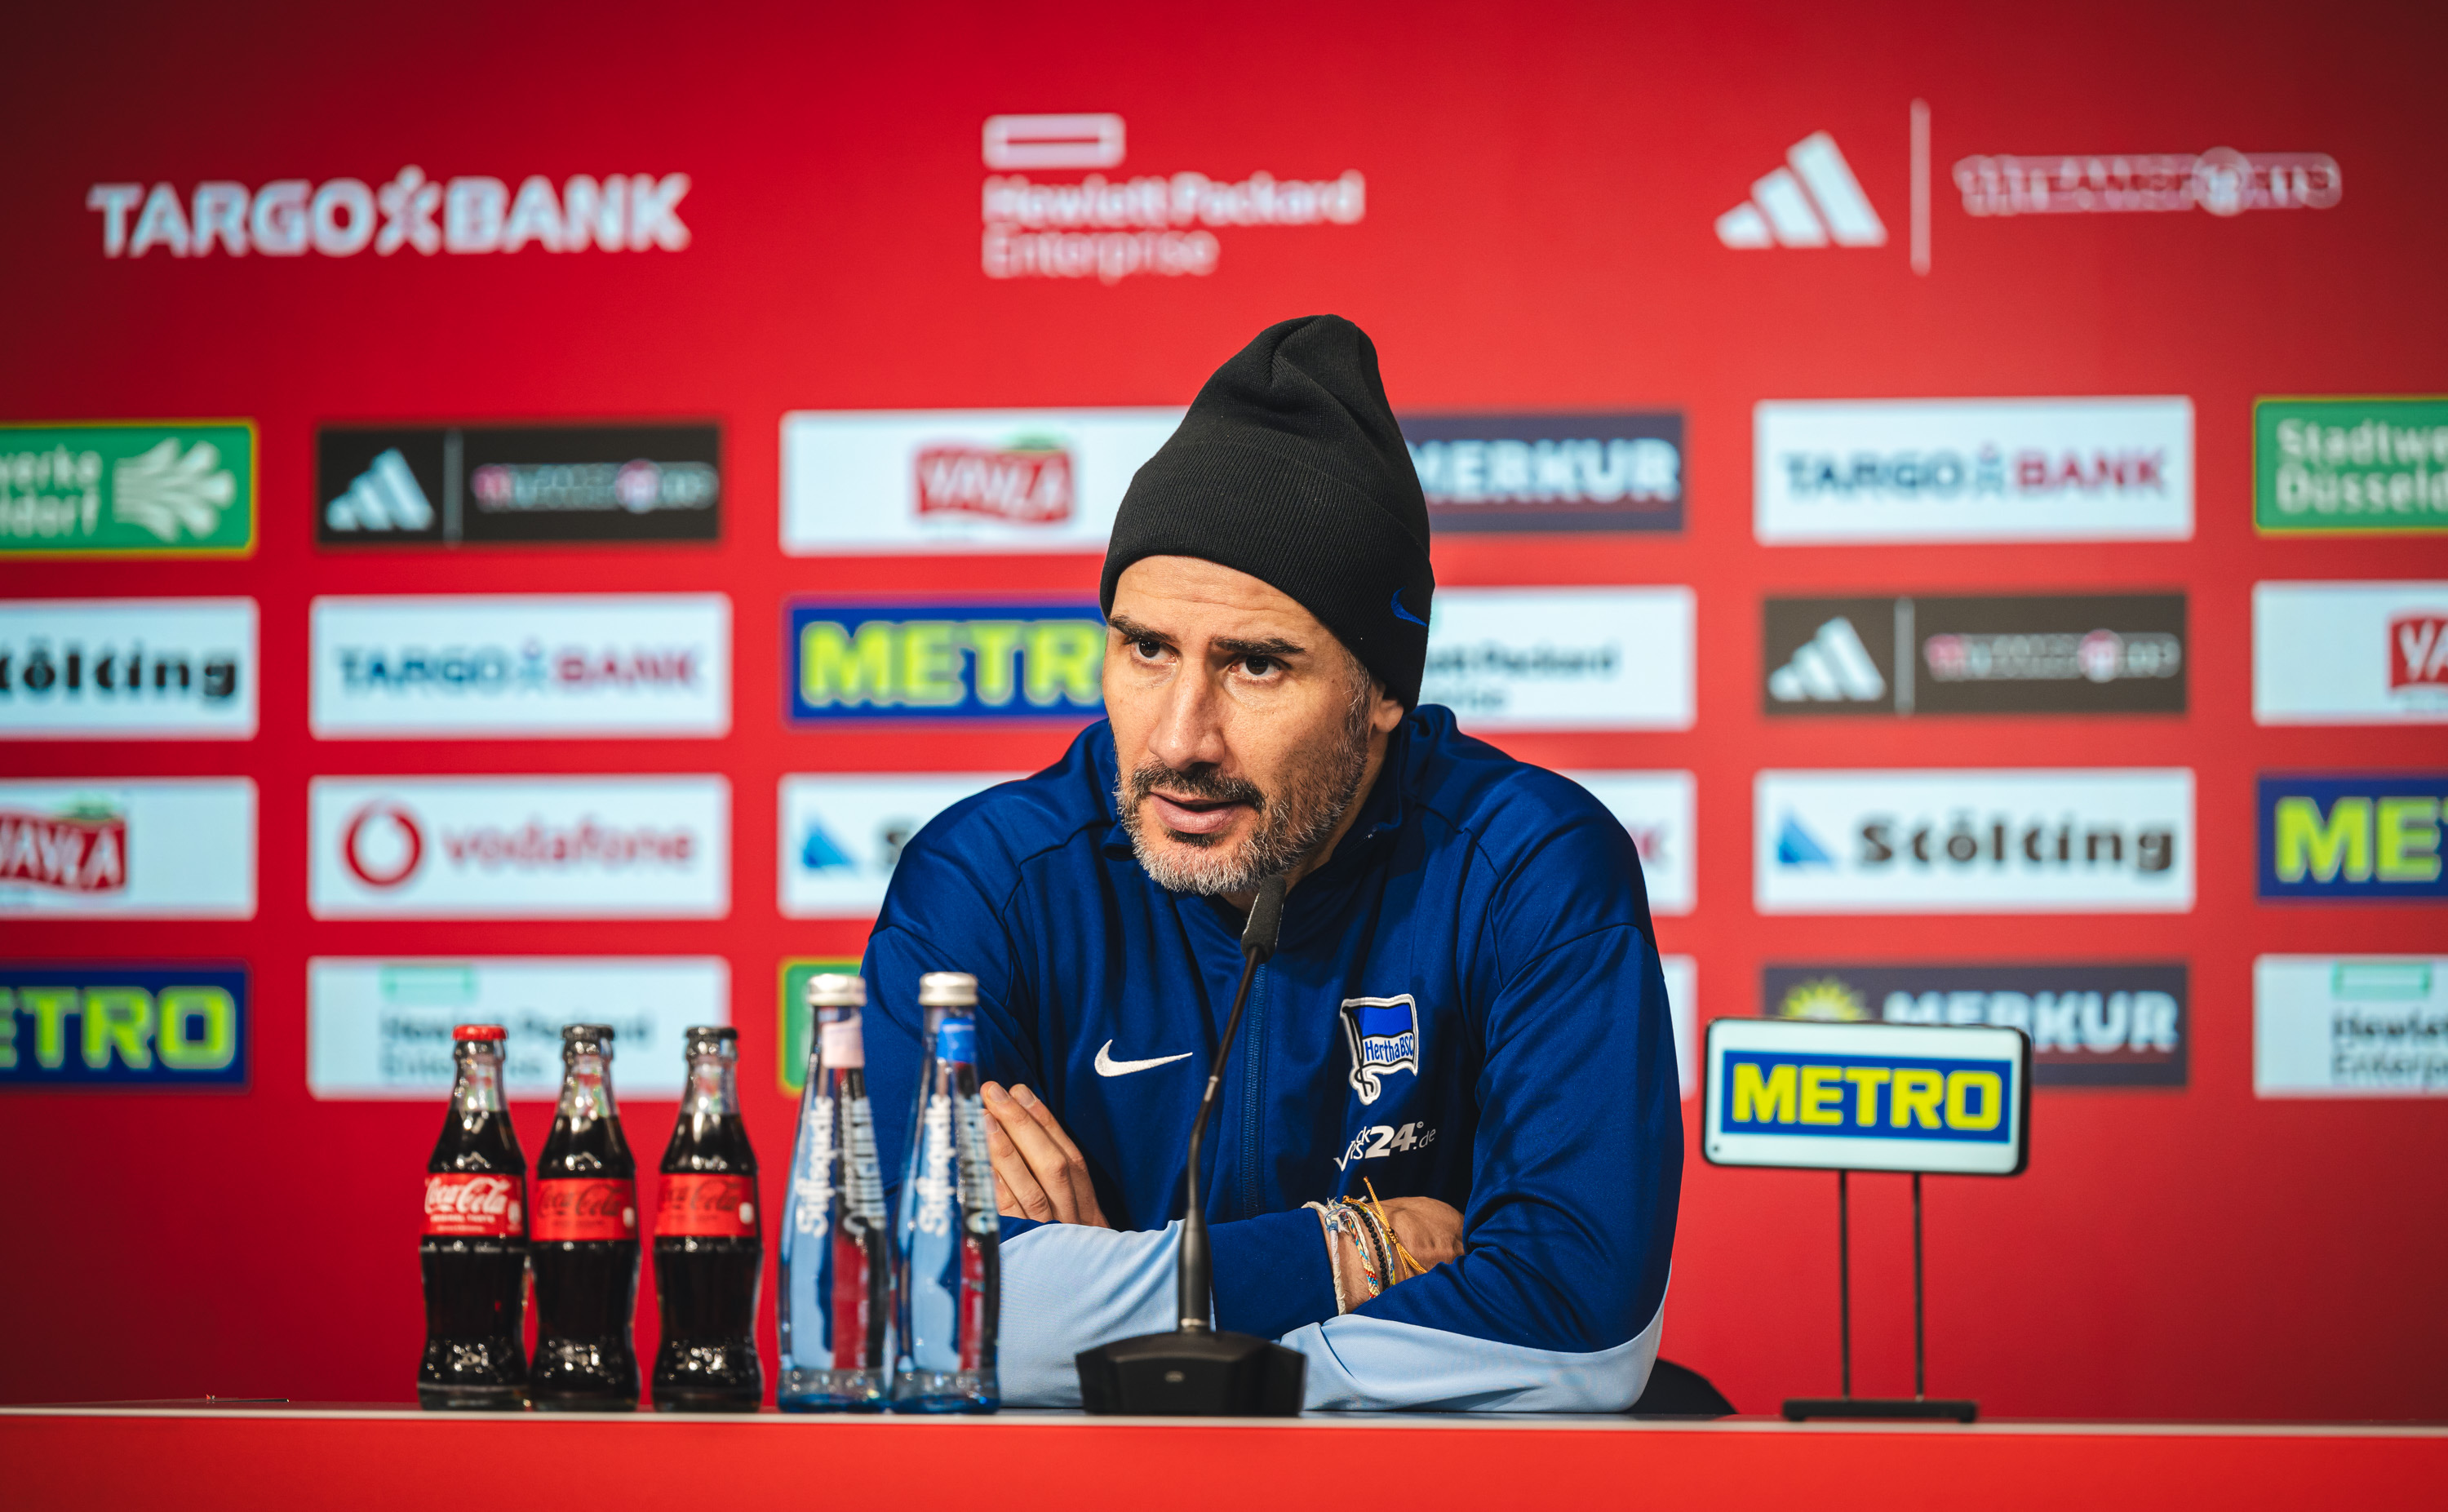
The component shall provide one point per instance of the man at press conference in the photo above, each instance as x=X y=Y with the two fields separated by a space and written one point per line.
x=1466 y=1020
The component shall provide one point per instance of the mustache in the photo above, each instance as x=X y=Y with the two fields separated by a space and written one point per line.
x=1194 y=782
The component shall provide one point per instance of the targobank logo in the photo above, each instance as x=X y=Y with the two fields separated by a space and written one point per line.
x=1549 y=472
x=129 y=669
x=340 y=218
x=2350 y=653
x=145 y=848
x=2045 y=841
x=123 y=1026
x=842 y=835
x=1114 y=228
x=2364 y=837
x=870 y=482
x=1384 y=1035
x=1562 y=658
x=484 y=664
x=519 y=847
x=1973 y=470
x=868 y=662
x=2350 y=1026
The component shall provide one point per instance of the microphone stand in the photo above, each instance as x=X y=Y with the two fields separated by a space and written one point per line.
x=1194 y=1371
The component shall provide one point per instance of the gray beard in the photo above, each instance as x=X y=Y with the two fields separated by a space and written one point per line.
x=1291 y=823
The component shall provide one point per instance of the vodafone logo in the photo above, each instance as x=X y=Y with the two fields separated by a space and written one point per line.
x=382 y=844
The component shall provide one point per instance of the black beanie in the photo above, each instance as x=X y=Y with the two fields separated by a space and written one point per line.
x=1290 y=468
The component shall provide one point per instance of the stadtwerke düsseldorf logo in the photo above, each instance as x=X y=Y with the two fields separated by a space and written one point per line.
x=2093 y=1023
x=2054 y=840
x=568 y=664
x=129 y=669
x=2360 y=465
x=151 y=488
x=863 y=661
x=2352 y=837
x=2106 y=653
x=519 y=847
x=510 y=485
x=1837 y=470
x=1549 y=472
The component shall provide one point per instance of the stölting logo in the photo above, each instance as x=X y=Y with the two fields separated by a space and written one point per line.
x=382 y=844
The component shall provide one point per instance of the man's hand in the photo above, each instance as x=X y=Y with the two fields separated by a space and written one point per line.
x=1430 y=1229
x=1039 y=1173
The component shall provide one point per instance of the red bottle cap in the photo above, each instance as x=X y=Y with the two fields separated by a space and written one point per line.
x=479 y=1031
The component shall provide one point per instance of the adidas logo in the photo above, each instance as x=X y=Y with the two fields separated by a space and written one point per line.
x=1810 y=202
x=1798 y=847
x=384 y=497
x=1832 y=666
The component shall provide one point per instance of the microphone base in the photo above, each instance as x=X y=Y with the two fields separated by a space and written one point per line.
x=1205 y=1375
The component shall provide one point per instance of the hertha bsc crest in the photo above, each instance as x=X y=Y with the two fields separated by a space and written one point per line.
x=1385 y=1035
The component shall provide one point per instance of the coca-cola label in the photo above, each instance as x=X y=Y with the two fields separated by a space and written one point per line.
x=465 y=1204
x=586 y=1208
x=718 y=1207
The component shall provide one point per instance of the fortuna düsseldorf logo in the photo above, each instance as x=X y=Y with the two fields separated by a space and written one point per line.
x=411 y=844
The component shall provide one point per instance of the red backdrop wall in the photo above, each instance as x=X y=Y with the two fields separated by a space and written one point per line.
x=1541 y=185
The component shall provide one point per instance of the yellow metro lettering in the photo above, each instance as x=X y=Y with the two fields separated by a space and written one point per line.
x=7 y=1030
x=996 y=640
x=121 y=1020
x=1915 y=1099
x=2408 y=848
x=1868 y=1079
x=211 y=1050
x=1961 y=1089
x=51 y=1007
x=1763 y=1098
x=2306 y=845
x=1065 y=659
x=930 y=664
x=835 y=669
x=1823 y=1094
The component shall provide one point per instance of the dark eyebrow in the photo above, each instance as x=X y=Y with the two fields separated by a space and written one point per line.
x=1130 y=629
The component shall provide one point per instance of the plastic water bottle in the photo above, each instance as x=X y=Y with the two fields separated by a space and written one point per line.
x=945 y=1257
x=836 y=1257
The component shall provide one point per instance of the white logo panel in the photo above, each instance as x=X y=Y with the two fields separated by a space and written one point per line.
x=379 y=1028
x=519 y=847
x=2047 y=841
x=2350 y=653
x=129 y=669
x=140 y=848
x=887 y=482
x=2350 y=1026
x=1655 y=809
x=1837 y=470
x=1683 y=1001
x=842 y=835
x=495 y=664
x=1562 y=658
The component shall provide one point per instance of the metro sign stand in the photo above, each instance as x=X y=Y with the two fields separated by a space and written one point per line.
x=1868 y=1097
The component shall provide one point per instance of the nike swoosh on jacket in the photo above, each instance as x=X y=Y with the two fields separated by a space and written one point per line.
x=1466 y=1004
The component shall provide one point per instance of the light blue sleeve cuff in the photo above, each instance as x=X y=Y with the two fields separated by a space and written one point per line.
x=1366 y=1364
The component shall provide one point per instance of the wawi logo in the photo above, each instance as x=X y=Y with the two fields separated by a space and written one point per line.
x=1812 y=201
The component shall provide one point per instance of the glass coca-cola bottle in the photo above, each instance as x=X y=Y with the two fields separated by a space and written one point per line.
x=474 y=1250
x=709 y=1241
x=585 y=1240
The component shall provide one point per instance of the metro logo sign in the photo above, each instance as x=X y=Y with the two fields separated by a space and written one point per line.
x=2364 y=837
x=1022 y=486
x=851 y=662
x=1865 y=1097
x=147 y=1026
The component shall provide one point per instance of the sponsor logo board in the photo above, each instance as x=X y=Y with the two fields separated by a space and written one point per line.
x=142 y=847
x=2350 y=1026
x=861 y=663
x=2109 y=1024
x=2121 y=653
x=2220 y=182
x=519 y=847
x=2060 y=840
x=1867 y=1097
x=129 y=669
x=153 y=489
x=1562 y=658
x=1813 y=200
x=505 y=484
x=1655 y=809
x=491 y=665
x=380 y=1029
x=797 y=1023
x=1682 y=974
x=1541 y=472
x=2349 y=465
x=123 y=1026
x=1114 y=228
x=842 y=835
x=2350 y=653
x=1837 y=470
x=891 y=482
x=2354 y=837
x=341 y=218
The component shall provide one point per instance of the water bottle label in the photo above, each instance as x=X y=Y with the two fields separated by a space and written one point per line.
x=957 y=1040
x=464 y=1205
x=585 y=1208
x=716 y=1207
x=843 y=1046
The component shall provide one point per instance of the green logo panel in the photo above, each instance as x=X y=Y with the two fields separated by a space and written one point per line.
x=2350 y=464
x=790 y=1065
x=162 y=488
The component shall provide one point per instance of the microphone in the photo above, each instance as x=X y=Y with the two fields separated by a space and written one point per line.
x=1196 y=1371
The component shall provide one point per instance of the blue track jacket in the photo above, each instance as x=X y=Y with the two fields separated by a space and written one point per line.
x=1466 y=1004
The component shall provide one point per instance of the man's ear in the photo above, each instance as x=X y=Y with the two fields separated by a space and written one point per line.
x=1387 y=713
